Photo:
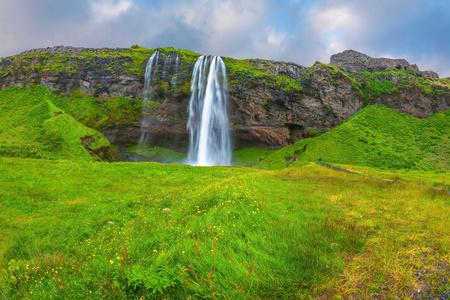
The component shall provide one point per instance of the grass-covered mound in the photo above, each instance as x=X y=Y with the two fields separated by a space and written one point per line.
x=376 y=136
x=31 y=125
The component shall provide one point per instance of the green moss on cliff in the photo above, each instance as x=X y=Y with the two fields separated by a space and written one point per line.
x=337 y=76
x=186 y=56
x=446 y=81
x=378 y=84
x=101 y=113
x=249 y=73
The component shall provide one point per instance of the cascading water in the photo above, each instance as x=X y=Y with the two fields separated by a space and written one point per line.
x=177 y=70
x=150 y=70
x=167 y=65
x=208 y=118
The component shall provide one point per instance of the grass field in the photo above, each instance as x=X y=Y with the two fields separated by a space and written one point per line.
x=72 y=227
x=79 y=229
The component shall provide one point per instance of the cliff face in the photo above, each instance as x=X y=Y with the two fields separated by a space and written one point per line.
x=271 y=103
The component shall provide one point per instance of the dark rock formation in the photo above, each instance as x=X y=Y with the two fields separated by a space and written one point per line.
x=271 y=103
x=353 y=61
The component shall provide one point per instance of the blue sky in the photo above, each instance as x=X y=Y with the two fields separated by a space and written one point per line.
x=289 y=30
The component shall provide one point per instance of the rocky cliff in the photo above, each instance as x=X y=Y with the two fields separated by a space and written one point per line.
x=271 y=103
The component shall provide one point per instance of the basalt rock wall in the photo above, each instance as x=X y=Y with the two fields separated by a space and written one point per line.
x=271 y=103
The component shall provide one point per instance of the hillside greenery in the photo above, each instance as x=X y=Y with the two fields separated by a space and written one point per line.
x=32 y=125
x=101 y=112
x=376 y=136
x=377 y=84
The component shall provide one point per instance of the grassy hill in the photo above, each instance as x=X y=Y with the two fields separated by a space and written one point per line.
x=376 y=136
x=31 y=125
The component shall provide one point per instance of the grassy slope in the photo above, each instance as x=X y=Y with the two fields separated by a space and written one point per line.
x=99 y=230
x=379 y=137
x=33 y=126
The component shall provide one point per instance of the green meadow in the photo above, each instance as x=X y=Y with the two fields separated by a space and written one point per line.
x=74 y=224
x=76 y=230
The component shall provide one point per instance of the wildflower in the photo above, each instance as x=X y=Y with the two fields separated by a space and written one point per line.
x=111 y=261
x=166 y=210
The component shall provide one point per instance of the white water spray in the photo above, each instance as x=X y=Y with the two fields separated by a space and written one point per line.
x=208 y=118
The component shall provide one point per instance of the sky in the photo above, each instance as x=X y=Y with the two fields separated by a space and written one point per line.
x=299 y=31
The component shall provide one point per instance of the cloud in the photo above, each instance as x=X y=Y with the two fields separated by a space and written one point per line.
x=228 y=26
x=333 y=19
x=105 y=10
x=301 y=31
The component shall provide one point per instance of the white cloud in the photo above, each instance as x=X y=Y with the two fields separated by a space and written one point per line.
x=331 y=29
x=334 y=18
x=106 y=10
x=227 y=27
x=275 y=38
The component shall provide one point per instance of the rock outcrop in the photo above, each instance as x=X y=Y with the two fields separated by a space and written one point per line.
x=351 y=61
x=271 y=103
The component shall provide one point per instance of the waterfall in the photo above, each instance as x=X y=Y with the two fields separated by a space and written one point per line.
x=150 y=70
x=167 y=64
x=177 y=70
x=208 y=118
x=177 y=64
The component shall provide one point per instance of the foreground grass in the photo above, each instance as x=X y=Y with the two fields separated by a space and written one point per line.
x=100 y=230
x=103 y=231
